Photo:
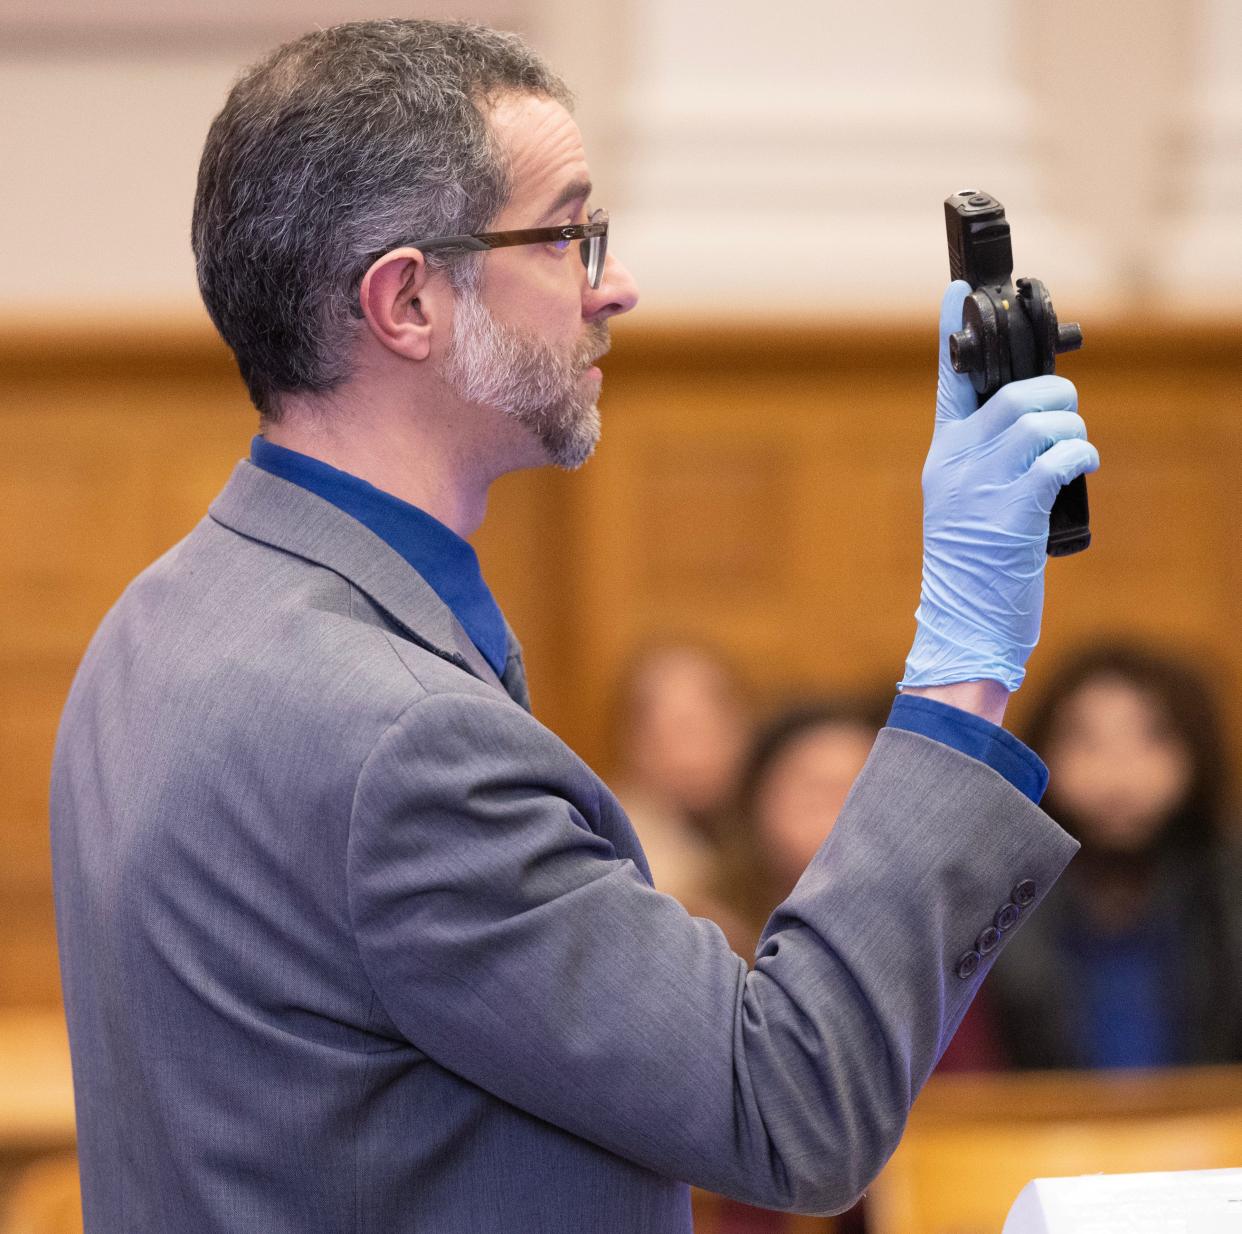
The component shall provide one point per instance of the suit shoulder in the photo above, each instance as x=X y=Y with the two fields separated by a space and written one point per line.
x=224 y=617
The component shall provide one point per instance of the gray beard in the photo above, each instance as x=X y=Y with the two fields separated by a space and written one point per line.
x=492 y=365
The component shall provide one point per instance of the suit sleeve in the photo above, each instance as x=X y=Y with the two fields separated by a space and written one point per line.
x=510 y=943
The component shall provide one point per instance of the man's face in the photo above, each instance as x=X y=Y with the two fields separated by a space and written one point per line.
x=525 y=338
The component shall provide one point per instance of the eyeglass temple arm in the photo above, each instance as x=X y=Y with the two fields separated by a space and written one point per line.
x=476 y=244
x=502 y=239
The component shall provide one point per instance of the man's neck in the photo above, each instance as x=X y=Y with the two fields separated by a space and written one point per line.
x=402 y=456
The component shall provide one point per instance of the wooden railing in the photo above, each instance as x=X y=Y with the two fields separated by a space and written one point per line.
x=973 y=1142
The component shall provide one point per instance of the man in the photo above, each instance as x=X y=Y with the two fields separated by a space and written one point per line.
x=351 y=942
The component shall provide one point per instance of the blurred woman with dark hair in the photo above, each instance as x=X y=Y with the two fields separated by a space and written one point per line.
x=1135 y=958
x=792 y=785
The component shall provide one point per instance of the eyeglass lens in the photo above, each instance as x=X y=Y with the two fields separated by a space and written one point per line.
x=594 y=249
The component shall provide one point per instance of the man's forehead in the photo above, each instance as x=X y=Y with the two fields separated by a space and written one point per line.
x=544 y=149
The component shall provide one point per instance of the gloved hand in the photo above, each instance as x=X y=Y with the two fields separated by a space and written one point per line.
x=989 y=482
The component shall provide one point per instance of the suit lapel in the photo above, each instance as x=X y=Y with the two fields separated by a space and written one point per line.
x=514 y=677
x=264 y=507
x=474 y=658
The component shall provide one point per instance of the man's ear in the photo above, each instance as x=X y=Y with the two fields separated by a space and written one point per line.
x=403 y=303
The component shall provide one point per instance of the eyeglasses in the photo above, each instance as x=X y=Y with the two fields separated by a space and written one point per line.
x=592 y=235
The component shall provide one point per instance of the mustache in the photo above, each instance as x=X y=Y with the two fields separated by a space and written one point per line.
x=595 y=345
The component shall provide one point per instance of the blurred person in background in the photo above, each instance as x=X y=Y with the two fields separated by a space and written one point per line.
x=682 y=721
x=684 y=745
x=1136 y=958
x=793 y=782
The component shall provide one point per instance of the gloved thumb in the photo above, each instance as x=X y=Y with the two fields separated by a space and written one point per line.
x=955 y=396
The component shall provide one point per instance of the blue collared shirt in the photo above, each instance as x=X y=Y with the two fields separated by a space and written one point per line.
x=451 y=568
x=446 y=561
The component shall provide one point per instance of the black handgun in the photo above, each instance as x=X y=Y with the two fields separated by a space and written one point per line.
x=1009 y=331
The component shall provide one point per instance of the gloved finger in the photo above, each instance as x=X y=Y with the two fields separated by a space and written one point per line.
x=1031 y=435
x=1058 y=465
x=1010 y=403
x=955 y=396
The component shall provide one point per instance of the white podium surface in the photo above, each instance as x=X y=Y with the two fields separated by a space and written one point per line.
x=1187 y=1202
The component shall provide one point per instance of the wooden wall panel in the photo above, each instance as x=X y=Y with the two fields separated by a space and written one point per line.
x=756 y=488
x=844 y=418
x=108 y=458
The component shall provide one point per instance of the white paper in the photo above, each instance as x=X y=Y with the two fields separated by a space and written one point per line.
x=1187 y=1202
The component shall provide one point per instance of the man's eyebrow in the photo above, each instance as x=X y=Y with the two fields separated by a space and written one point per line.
x=571 y=192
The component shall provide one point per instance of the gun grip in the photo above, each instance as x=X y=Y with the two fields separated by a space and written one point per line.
x=1069 y=526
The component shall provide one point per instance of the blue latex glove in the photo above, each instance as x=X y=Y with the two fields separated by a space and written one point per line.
x=989 y=482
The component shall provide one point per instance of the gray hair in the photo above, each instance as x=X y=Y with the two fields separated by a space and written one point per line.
x=336 y=148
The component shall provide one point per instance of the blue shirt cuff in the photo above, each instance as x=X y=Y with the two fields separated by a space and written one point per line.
x=975 y=737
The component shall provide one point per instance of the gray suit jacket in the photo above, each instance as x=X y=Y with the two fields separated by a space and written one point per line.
x=350 y=942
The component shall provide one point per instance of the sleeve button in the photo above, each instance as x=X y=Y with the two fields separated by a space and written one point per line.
x=1007 y=917
x=1024 y=893
x=967 y=965
x=987 y=940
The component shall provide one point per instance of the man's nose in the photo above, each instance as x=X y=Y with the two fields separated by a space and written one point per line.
x=617 y=293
